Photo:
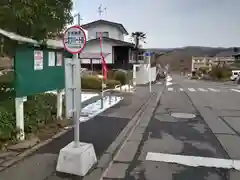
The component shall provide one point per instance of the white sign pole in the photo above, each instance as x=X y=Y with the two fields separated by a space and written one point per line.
x=78 y=90
x=76 y=158
x=77 y=97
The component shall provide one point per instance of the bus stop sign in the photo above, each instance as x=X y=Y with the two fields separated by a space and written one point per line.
x=74 y=39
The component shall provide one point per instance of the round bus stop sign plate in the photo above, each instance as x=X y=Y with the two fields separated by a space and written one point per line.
x=74 y=39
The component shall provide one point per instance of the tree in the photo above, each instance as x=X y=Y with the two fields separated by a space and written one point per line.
x=37 y=19
x=138 y=36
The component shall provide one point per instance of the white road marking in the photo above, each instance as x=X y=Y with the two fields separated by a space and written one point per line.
x=235 y=90
x=191 y=89
x=194 y=161
x=214 y=90
x=180 y=89
x=168 y=83
x=201 y=89
x=170 y=89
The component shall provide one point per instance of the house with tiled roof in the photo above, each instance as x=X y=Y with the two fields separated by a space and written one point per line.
x=120 y=52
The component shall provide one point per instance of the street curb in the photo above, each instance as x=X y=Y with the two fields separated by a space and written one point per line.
x=142 y=122
x=108 y=157
x=109 y=154
x=30 y=151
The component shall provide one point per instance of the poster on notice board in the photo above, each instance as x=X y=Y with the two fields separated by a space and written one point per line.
x=38 y=60
x=59 y=59
x=51 y=58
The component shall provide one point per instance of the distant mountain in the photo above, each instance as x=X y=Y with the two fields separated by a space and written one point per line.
x=181 y=58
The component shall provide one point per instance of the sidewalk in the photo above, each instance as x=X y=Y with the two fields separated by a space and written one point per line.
x=102 y=131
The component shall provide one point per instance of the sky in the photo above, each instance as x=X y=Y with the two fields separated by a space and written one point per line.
x=171 y=23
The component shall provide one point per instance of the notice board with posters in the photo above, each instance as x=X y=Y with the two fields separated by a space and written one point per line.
x=37 y=70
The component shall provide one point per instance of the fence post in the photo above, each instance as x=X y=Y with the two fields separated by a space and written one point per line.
x=19 y=105
x=102 y=96
x=59 y=104
x=110 y=96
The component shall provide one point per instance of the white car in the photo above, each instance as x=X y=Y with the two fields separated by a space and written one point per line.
x=235 y=74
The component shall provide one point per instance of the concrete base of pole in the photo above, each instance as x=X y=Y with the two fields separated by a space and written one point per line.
x=76 y=160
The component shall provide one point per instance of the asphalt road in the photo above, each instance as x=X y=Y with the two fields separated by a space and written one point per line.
x=214 y=132
x=101 y=131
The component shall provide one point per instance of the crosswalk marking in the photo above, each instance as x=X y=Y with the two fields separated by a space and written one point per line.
x=235 y=90
x=201 y=89
x=214 y=90
x=205 y=89
x=191 y=89
x=171 y=89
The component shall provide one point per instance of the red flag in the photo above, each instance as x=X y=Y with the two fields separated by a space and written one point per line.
x=104 y=64
x=104 y=67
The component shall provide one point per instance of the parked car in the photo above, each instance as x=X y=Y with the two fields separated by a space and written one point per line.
x=234 y=75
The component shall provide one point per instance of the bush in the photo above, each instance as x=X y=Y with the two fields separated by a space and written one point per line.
x=120 y=76
x=110 y=74
x=91 y=82
x=220 y=73
x=38 y=110
x=6 y=86
x=7 y=126
x=111 y=84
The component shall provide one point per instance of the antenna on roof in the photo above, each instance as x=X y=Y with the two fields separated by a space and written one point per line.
x=101 y=10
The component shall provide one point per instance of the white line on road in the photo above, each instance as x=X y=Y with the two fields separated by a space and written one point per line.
x=203 y=90
x=235 y=90
x=170 y=89
x=181 y=89
x=194 y=161
x=191 y=89
x=214 y=90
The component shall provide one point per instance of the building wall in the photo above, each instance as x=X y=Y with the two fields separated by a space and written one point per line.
x=114 y=32
x=142 y=75
x=208 y=62
x=94 y=47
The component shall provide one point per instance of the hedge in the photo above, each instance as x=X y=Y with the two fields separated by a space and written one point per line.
x=91 y=82
x=95 y=83
x=120 y=76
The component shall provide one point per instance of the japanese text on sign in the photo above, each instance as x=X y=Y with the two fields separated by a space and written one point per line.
x=74 y=39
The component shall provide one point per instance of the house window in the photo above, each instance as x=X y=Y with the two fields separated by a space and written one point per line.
x=104 y=34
